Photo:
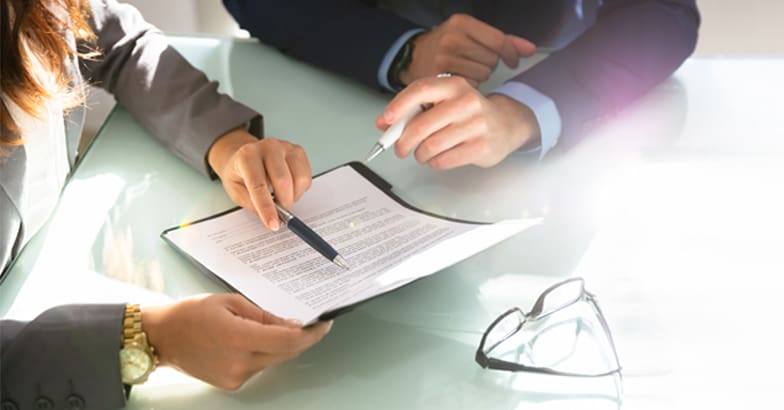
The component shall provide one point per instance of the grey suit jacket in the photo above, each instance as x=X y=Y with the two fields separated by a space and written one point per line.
x=69 y=354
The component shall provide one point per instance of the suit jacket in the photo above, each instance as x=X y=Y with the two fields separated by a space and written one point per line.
x=632 y=45
x=73 y=350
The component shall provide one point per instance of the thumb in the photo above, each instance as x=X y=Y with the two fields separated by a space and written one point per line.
x=522 y=47
x=246 y=309
x=508 y=53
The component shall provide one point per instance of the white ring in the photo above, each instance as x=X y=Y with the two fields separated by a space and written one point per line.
x=443 y=75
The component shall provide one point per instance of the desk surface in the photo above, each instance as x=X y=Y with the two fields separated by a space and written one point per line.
x=672 y=213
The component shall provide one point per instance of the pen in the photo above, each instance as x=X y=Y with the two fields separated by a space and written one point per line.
x=310 y=237
x=392 y=133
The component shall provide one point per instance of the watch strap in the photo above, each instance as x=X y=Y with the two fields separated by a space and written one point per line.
x=132 y=323
x=401 y=62
x=134 y=335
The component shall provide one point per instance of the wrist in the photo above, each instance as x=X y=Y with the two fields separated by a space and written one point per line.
x=521 y=121
x=153 y=319
x=225 y=146
x=399 y=75
x=138 y=357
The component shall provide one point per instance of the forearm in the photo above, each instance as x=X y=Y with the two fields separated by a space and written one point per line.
x=633 y=46
x=174 y=101
x=66 y=351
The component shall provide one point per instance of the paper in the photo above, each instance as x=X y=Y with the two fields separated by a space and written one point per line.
x=386 y=245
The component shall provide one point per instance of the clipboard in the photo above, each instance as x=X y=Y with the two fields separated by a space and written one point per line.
x=384 y=192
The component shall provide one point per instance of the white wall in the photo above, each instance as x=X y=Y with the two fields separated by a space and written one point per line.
x=741 y=27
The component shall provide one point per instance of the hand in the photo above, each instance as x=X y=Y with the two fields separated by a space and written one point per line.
x=224 y=339
x=463 y=127
x=249 y=167
x=464 y=46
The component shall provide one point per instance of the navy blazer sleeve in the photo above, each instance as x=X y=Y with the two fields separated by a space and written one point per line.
x=346 y=36
x=634 y=45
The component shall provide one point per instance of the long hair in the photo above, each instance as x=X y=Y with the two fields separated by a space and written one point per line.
x=35 y=30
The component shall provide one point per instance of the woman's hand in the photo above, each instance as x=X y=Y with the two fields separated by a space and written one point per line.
x=250 y=168
x=463 y=127
x=224 y=339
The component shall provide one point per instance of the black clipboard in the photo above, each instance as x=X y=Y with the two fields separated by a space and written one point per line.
x=361 y=169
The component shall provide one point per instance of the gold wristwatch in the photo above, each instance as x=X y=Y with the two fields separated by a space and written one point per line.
x=137 y=356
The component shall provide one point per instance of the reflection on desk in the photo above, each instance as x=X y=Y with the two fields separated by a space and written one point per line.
x=671 y=211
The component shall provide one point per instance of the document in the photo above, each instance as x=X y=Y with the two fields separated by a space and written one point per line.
x=387 y=244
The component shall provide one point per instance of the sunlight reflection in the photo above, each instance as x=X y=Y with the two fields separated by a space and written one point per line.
x=78 y=220
x=63 y=272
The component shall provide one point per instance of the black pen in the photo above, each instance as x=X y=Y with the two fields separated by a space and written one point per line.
x=310 y=237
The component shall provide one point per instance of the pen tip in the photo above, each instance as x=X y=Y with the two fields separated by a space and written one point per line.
x=341 y=262
x=377 y=149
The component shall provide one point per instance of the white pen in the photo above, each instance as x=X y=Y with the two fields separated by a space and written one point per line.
x=392 y=134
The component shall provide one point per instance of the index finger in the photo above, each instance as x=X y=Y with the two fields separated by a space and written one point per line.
x=255 y=179
x=425 y=90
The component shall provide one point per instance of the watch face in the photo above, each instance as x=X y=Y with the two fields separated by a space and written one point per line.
x=136 y=364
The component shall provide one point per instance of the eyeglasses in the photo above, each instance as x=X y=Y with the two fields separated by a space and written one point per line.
x=550 y=338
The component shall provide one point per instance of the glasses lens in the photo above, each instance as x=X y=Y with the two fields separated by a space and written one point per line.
x=502 y=331
x=571 y=340
x=559 y=297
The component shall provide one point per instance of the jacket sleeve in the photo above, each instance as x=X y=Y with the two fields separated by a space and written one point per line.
x=634 y=45
x=349 y=37
x=65 y=355
x=173 y=100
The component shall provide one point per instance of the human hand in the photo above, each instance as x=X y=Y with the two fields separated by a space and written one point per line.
x=249 y=167
x=464 y=46
x=463 y=127
x=224 y=339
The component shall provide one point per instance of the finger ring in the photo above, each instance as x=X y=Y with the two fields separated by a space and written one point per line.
x=443 y=75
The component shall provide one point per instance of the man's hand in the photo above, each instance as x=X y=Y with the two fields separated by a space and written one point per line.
x=463 y=127
x=249 y=168
x=464 y=46
x=224 y=339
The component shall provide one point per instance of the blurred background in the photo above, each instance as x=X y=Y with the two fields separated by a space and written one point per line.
x=748 y=28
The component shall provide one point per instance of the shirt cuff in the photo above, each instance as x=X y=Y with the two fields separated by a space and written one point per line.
x=383 y=69
x=544 y=109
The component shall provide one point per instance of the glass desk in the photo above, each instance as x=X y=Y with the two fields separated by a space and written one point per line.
x=671 y=211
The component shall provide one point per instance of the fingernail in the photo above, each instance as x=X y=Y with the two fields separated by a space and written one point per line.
x=329 y=325
x=274 y=225
x=388 y=117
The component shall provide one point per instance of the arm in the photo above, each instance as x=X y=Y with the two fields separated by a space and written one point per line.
x=177 y=104
x=72 y=352
x=174 y=101
x=66 y=351
x=350 y=37
x=634 y=45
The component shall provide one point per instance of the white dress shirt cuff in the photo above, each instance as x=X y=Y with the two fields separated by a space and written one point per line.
x=544 y=109
x=383 y=69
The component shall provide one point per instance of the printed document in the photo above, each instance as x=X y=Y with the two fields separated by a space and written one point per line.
x=387 y=244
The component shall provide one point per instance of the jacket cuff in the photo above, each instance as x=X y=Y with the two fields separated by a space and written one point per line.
x=67 y=354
